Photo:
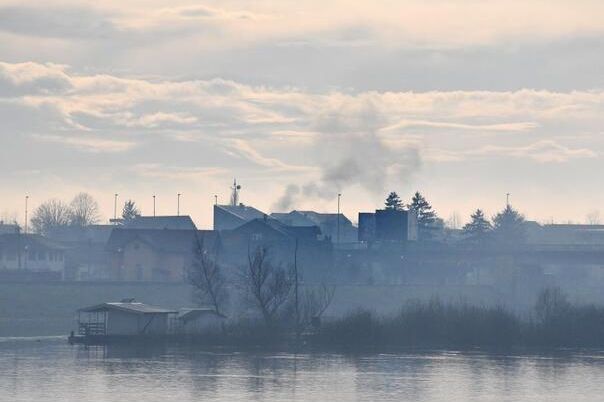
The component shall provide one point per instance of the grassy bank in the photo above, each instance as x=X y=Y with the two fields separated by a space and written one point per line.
x=554 y=323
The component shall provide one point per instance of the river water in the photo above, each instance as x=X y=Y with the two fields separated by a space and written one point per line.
x=48 y=369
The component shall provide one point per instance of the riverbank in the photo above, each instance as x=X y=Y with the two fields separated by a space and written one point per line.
x=41 y=309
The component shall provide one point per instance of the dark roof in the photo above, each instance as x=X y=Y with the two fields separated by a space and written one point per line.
x=183 y=222
x=308 y=218
x=170 y=241
x=81 y=234
x=241 y=211
x=134 y=307
x=285 y=230
x=8 y=228
x=572 y=226
x=32 y=241
x=321 y=217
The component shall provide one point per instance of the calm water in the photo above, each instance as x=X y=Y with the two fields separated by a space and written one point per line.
x=50 y=370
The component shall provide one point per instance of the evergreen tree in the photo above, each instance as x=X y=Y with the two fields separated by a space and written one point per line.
x=427 y=219
x=509 y=226
x=393 y=201
x=478 y=227
x=130 y=211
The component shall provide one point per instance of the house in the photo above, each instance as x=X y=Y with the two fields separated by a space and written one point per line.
x=227 y=217
x=85 y=254
x=155 y=255
x=336 y=226
x=9 y=228
x=285 y=244
x=27 y=254
x=199 y=321
x=126 y=318
x=564 y=234
x=181 y=222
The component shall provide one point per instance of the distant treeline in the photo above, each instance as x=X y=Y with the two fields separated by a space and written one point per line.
x=555 y=323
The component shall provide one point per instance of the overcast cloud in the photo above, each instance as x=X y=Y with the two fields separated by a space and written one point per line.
x=300 y=102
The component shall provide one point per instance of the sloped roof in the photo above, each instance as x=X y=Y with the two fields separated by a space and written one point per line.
x=79 y=234
x=170 y=241
x=183 y=222
x=285 y=230
x=32 y=241
x=134 y=307
x=241 y=211
x=321 y=218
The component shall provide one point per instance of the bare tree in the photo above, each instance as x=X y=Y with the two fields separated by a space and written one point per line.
x=8 y=217
x=315 y=301
x=50 y=214
x=268 y=285
x=593 y=218
x=84 y=210
x=206 y=276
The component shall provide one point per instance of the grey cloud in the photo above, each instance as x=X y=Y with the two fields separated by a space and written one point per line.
x=54 y=21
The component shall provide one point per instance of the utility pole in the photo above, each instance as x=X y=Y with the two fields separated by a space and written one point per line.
x=338 y=219
x=178 y=205
x=154 y=205
x=296 y=291
x=115 y=208
x=507 y=199
x=25 y=223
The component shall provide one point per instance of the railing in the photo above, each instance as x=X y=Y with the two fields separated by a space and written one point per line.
x=91 y=328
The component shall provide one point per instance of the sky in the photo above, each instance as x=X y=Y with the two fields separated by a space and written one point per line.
x=463 y=100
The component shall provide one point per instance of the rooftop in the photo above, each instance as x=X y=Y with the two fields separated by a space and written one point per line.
x=241 y=211
x=131 y=307
x=170 y=241
x=183 y=222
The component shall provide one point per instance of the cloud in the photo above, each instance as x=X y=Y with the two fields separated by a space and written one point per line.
x=544 y=151
x=18 y=79
x=57 y=21
x=313 y=144
x=440 y=125
x=88 y=144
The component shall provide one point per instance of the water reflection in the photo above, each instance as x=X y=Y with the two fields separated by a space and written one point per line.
x=33 y=371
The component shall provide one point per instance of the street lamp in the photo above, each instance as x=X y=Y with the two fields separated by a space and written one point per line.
x=115 y=207
x=25 y=223
x=154 y=205
x=178 y=205
x=338 y=219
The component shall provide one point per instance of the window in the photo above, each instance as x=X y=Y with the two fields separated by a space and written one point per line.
x=256 y=236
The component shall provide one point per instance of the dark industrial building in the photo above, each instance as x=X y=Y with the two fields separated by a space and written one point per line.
x=387 y=225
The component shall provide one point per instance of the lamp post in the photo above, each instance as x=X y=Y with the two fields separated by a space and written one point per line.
x=338 y=219
x=25 y=223
x=178 y=204
x=154 y=205
x=115 y=207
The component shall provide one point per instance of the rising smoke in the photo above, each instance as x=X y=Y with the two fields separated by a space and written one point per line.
x=351 y=150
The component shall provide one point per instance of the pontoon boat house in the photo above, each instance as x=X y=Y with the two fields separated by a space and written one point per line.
x=123 y=318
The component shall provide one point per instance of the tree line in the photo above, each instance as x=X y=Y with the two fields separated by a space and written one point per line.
x=508 y=225
x=82 y=210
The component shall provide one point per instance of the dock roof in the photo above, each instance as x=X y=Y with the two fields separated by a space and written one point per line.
x=134 y=307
